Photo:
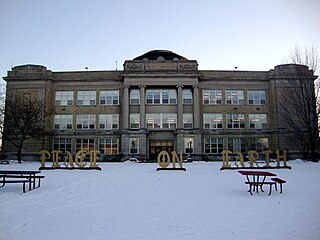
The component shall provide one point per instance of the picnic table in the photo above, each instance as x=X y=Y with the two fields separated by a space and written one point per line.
x=256 y=179
x=4 y=161
x=28 y=177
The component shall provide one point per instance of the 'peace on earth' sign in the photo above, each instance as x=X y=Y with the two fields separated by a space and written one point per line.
x=253 y=156
x=164 y=160
x=69 y=162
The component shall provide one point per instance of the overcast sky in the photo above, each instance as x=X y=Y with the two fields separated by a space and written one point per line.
x=68 y=35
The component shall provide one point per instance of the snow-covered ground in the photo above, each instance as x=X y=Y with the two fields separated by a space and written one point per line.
x=133 y=201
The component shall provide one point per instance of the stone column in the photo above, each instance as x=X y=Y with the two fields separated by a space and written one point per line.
x=196 y=107
x=125 y=108
x=180 y=107
x=142 y=107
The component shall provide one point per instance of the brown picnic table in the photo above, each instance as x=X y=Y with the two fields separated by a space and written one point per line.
x=256 y=179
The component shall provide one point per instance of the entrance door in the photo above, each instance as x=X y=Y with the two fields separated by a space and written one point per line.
x=155 y=147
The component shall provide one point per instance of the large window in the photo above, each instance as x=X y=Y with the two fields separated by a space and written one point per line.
x=161 y=96
x=235 y=120
x=63 y=145
x=213 y=145
x=86 y=98
x=187 y=120
x=256 y=97
x=236 y=144
x=212 y=97
x=258 y=121
x=134 y=96
x=212 y=120
x=85 y=144
x=135 y=120
x=109 y=97
x=63 y=98
x=108 y=146
x=161 y=120
x=234 y=97
x=86 y=121
x=63 y=122
x=169 y=120
x=187 y=96
x=108 y=121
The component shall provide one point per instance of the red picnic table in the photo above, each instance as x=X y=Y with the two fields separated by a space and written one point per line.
x=257 y=179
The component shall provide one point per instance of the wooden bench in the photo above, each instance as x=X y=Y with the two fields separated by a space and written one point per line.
x=278 y=181
x=260 y=184
x=24 y=181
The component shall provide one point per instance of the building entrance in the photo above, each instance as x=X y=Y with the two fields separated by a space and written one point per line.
x=155 y=147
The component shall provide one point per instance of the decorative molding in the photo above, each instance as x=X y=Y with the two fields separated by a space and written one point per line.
x=133 y=66
x=187 y=67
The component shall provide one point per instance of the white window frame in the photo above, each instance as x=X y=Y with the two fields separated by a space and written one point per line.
x=134 y=120
x=234 y=119
x=238 y=144
x=103 y=146
x=212 y=96
x=86 y=121
x=108 y=121
x=187 y=96
x=134 y=96
x=86 y=144
x=213 y=121
x=161 y=96
x=258 y=121
x=109 y=97
x=86 y=98
x=187 y=120
x=63 y=98
x=234 y=97
x=257 y=97
x=213 y=145
x=160 y=120
x=63 y=122
x=62 y=144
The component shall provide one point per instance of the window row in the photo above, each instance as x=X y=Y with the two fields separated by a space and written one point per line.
x=161 y=120
x=234 y=97
x=234 y=121
x=105 y=146
x=86 y=98
x=160 y=96
x=216 y=145
x=86 y=121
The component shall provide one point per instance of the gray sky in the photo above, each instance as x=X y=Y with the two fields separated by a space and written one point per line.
x=219 y=34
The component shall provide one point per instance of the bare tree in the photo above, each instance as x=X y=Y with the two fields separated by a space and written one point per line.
x=2 y=101
x=299 y=102
x=309 y=57
x=24 y=119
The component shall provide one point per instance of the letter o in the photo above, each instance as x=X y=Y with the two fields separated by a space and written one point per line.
x=163 y=159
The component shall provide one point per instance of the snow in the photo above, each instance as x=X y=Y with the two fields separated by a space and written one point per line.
x=134 y=201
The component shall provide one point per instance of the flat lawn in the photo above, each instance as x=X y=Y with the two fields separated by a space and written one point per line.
x=133 y=201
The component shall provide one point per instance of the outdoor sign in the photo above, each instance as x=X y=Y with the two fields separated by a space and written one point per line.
x=164 y=160
x=68 y=161
x=253 y=156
